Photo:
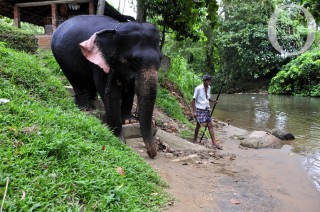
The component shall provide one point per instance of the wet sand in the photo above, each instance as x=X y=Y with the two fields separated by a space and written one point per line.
x=279 y=172
x=242 y=180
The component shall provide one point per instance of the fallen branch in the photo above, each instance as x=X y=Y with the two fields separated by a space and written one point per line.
x=5 y=194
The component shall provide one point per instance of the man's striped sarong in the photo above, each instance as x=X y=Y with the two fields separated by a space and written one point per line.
x=203 y=115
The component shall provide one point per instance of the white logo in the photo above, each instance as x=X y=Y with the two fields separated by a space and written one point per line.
x=272 y=30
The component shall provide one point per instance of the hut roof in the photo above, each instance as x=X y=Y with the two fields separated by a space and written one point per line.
x=38 y=12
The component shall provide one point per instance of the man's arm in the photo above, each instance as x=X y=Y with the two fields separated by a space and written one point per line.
x=194 y=107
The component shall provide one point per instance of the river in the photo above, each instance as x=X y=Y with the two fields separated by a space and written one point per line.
x=297 y=115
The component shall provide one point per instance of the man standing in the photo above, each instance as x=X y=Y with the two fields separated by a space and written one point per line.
x=201 y=109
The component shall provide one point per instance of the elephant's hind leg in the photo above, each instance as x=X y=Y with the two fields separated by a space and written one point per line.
x=85 y=92
x=83 y=99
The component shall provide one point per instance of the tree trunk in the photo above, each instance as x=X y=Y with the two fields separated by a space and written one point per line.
x=101 y=5
x=209 y=59
x=163 y=38
x=141 y=12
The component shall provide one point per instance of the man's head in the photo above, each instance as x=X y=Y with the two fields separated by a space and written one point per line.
x=206 y=77
x=206 y=80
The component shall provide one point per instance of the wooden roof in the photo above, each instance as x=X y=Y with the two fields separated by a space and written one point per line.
x=38 y=12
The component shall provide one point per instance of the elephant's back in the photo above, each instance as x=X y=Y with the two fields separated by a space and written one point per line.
x=80 y=28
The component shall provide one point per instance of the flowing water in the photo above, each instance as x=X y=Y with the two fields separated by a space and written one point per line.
x=297 y=115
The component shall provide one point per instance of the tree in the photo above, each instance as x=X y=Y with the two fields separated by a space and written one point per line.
x=242 y=37
x=141 y=11
x=181 y=17
x=101 y=6
x=109 y=10
x=314 y=8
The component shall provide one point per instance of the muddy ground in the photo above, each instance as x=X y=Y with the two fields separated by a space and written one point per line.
x=232 y=179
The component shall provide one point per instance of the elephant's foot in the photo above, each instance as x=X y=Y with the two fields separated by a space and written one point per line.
x=122 y=138
x=151 y=149
x=84 y=103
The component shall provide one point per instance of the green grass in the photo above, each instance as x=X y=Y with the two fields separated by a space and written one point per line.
x=54 y=153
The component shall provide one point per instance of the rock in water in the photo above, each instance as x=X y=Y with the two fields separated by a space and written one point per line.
x=281 y=134
x=261 y=139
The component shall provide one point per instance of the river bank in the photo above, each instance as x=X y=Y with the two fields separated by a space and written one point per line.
x=234 y=179
x=297 y=115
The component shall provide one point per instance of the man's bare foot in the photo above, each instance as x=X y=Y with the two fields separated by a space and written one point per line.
x=216 y=146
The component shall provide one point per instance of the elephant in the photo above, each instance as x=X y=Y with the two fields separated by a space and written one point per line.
x=117 y=60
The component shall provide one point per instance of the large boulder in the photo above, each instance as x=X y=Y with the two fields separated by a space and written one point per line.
x=283 y=135
x=133 y=131
x=261 y=139
x=178 y=143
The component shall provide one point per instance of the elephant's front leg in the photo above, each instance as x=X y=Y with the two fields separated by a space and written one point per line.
x=127 y=101
x=112 y=103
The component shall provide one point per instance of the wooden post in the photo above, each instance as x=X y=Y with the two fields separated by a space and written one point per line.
x=16 y=14
x=54 y=16
x=91 y=8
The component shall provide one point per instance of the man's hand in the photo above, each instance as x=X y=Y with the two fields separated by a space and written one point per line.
x=195 y=115
x=213 y=101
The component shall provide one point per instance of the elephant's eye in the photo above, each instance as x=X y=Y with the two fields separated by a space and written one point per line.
x=122 y=60
x=136 y=61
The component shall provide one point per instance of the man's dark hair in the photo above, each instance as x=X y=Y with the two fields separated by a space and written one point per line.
x=206 y=77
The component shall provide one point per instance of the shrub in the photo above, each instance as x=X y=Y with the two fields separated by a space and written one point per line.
x=18 y=39
x=300 y=76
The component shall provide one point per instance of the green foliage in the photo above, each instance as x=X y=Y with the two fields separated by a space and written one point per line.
x=313 y=7
x=181 y=16
x=239 y=49
x=193 y=54
x=292 y=29
x=300 y=76
x=17 y=38
x=58 y=158
x=26 y=27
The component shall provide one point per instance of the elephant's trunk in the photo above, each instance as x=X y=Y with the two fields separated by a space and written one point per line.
x=146 y=86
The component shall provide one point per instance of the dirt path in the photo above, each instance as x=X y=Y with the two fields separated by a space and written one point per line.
x=235 y=179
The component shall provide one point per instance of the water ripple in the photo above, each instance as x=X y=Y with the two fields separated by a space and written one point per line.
x=298 y=115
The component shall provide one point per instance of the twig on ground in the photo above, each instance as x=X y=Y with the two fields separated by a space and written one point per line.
x=5 y=194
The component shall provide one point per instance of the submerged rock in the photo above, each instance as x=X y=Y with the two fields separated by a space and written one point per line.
x=283 y=135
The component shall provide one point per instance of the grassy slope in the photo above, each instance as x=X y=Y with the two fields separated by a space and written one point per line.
x=54 y=154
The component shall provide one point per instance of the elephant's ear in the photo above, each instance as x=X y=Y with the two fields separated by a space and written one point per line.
x=92 y=52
